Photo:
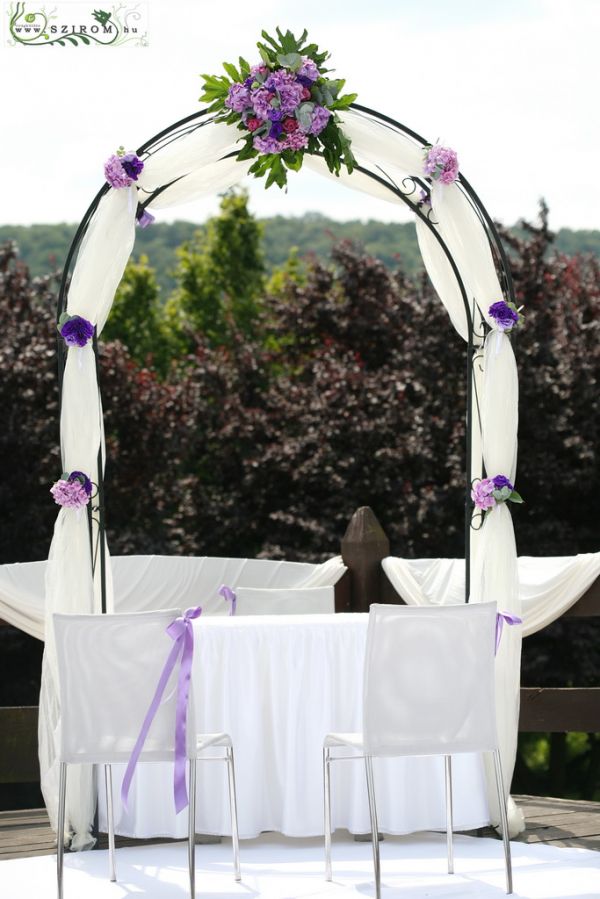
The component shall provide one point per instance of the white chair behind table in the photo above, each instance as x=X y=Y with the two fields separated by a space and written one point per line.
x=428 y=690
x=285 y=601
x=109 y=667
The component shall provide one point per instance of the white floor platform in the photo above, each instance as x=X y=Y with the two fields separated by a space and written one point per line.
x=275 y=867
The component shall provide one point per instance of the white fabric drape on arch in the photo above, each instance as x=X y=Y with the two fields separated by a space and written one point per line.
x=195 y=165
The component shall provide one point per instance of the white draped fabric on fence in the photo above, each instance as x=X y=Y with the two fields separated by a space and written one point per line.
x=194 y=165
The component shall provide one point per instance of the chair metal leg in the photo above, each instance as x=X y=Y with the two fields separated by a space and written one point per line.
x=374 y=830
x=449 y=816
x=192 y=827
x=503 y=819
x=327 y=809
x=60 y=836
x=112 y=870
x=234 y=819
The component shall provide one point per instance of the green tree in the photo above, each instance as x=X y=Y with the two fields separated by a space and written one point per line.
x=221 y=275
x=137 y=318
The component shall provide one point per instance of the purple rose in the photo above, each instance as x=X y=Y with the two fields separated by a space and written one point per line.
x=132 y=165
x=83 y=479
x=274 y=114
x=276 y=129
x=501 y=481
x=77 y=331
x=482 y=494
x=504 y=317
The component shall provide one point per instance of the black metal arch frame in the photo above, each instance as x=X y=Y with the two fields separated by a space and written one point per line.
x=406 y=192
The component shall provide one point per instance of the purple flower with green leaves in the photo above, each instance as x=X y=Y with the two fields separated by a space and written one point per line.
x=441 y=164
x=504 y=314
x=488 y=492
x=76 y=331
x=285 y=103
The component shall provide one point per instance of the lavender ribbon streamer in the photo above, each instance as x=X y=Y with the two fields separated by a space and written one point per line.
x=181 y=631
x=502 y=617
x=145 y=219
x=230 y=595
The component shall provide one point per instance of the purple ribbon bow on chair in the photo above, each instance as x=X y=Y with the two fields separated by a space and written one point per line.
x=230 y=595
x=181 y=631
x=502 y=617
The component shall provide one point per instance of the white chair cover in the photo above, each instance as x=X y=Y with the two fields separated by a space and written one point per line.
x=109 y=667
x=429 y=680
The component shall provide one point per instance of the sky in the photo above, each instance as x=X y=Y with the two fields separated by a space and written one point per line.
x=511 y=85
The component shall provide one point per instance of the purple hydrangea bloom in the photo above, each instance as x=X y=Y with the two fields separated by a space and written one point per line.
x=503 y=315
x=275 y=115
x=441 y=164
x=288 y=88
x=308 y=71
x=115 y=174
x=295 y=141
x=319 y=120
x=238 y=97
x=132 y=165
x=501 y=481
x=83 y=479
x=267 y=144
x=70 y=494
x=77 y=331
x=261 y=102
x=482 y=494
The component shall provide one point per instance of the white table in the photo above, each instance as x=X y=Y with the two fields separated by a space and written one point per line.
x=278 y=684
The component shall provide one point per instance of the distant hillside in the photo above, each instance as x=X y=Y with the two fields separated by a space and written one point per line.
x=44 y=247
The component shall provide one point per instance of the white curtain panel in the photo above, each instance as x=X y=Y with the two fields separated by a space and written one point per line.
x=147 y=583
x=548 y=586
x=195 y=162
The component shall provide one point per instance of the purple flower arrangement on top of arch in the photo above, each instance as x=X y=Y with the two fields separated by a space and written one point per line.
x=284 y=106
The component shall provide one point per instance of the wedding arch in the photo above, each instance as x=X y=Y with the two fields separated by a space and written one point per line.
x=463 y=255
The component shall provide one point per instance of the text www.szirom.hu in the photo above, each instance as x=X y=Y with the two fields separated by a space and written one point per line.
x=71 y=29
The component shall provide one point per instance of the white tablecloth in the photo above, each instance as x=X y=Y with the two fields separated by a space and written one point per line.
x=278 y=684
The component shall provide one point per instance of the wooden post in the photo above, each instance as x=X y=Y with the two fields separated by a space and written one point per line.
x=364 y=545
